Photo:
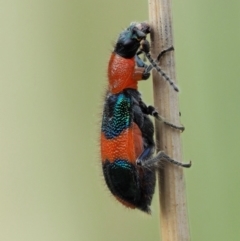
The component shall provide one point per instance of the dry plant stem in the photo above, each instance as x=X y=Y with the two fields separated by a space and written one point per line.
x=173 y=209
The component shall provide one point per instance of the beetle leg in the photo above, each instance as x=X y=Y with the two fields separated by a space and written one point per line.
x=158 y=159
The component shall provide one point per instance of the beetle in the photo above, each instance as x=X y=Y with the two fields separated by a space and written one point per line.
x=127 y=142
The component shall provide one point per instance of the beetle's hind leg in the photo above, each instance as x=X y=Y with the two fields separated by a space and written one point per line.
x=158 y=159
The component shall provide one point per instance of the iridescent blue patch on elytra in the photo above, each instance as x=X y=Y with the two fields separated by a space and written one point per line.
x=117 y=115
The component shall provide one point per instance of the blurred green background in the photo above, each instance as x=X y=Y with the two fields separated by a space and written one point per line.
x=53 y=63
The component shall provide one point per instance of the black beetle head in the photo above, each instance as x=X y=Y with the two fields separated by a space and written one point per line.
x=129 y=40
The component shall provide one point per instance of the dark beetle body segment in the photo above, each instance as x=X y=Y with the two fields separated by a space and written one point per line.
x=131 y=184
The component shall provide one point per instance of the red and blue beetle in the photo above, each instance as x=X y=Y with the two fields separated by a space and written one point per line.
x=127 y=142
